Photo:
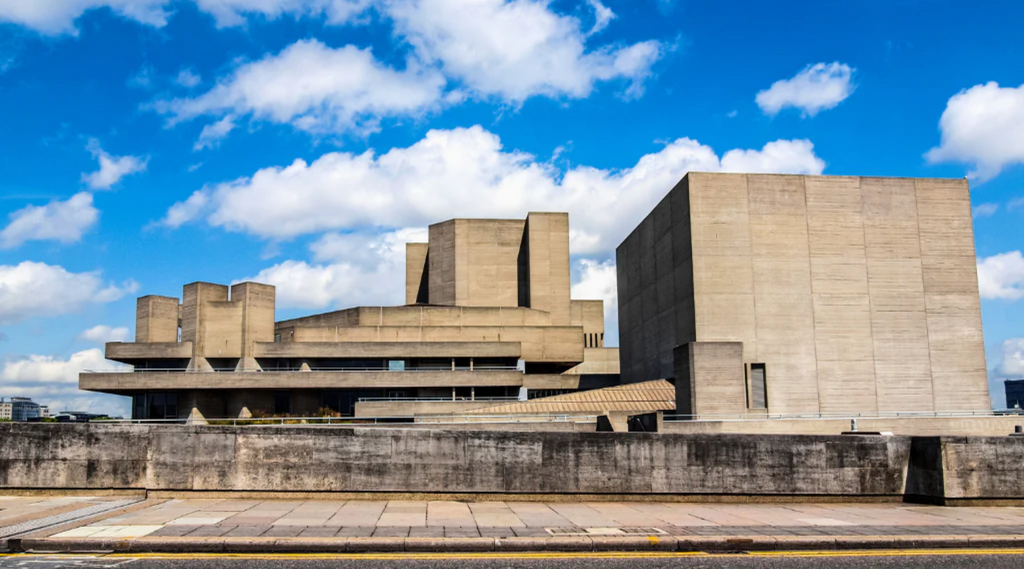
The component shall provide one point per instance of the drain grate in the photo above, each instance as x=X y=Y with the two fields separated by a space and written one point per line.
x=606 y=531
x=41 y=523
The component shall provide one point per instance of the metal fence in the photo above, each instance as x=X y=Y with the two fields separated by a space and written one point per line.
x=867 y=415
x=394 y=420
x=317 y=369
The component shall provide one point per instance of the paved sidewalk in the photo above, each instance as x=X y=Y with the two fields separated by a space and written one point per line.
x=278 y=525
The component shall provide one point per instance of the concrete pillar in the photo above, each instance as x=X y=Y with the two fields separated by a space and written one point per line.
x=199 y=364
x=196 y=418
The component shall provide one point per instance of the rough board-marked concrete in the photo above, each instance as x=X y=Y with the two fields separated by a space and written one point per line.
x=178 y=457
x=966 y=470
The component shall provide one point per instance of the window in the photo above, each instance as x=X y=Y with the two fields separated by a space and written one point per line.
x=757 y=391
x=396 y=365
x=282 y=402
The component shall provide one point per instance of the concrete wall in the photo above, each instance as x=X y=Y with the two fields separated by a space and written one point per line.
x=156 y=319
x=417 y=273
x=548 y=267
x=906 y=426
x=710 y=378
x=405 y=460
x=966 y=471
x=858 y=294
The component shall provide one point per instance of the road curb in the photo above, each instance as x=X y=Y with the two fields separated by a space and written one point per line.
x=708 y=544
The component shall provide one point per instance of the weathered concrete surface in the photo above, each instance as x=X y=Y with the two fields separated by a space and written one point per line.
x=403 y=460
x=965 y=470
x=981 y=426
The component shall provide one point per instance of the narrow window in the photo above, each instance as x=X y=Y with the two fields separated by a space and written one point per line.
x=758 y=397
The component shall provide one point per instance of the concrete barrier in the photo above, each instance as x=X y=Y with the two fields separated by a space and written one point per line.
x=305 y=459
x=375 y=460
x=966 y=470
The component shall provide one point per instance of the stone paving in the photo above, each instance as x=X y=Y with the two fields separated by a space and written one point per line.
x=211 y=518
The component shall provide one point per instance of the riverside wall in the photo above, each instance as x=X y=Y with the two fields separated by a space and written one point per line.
x=397 y=460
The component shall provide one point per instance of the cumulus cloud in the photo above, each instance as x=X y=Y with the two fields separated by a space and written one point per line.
x=63 y=221
x=102 y=334
x=1013 y=358
x=53 y=381
x=982 y=126
x=187 y=78
x=514 y=50
x=465 y=172
x=818 y=87
x=984 y=210
x=36 y=289
x=55 y=17
x=112 y=168
x=603 y=16
x=597 y=281
x=1001 y=276
x=213 y=133
x=314 y=88
x=346 y=263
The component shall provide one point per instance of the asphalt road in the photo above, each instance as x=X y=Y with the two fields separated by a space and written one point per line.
x=936 y=560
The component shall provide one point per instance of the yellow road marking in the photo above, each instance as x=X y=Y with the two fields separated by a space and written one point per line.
x=548 y=555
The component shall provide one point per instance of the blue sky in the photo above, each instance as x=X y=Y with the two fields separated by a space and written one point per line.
x=145 y=144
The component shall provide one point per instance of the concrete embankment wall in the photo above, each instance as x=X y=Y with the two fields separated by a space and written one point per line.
x=178 y=457
x=374 y=460
x=908 y=426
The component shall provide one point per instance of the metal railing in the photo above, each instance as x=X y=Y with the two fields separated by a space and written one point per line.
x=435 y=399
x=390 y=420
x=755 y=416
x=316 y=369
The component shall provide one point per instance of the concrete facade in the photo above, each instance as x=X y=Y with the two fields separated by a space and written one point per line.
x=853 y=293
x=487 y=314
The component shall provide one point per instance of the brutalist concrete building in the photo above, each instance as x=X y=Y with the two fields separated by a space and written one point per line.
x=487 y=314
x=787 y=294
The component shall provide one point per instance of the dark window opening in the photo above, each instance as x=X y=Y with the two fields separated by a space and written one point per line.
x=282 y=402
x=757 y=395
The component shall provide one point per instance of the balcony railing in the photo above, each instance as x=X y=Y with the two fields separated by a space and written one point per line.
x=312 y=368
x=435 y=399
x=356 y=421
x=754 y=415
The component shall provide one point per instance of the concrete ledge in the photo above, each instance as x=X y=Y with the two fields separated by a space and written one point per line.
x=708 y=544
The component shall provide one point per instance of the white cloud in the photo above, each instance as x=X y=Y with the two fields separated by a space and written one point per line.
x=54 y=17
x=984 y=210
x=465 y=172
x=212 y=133
x=102 y=334
x=1001 y=276
x=233 y=12
x=603 y=16
x=818 y=87
x=983 y=126
x=518 y=49
x=112 y=168
x=1013 y=358
x=347 y=263
x=598 y=282
x=53 y=381
x=316 y=88
x=188 y=78
x=63 y=221
x=36 y=289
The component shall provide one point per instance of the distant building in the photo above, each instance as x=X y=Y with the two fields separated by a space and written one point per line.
x=487 y=315
x=1014 y=393
x=20 y=409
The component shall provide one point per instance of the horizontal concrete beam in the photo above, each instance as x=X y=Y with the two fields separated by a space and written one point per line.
x=387 y=350
x=139 y=381
x=129 y=351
